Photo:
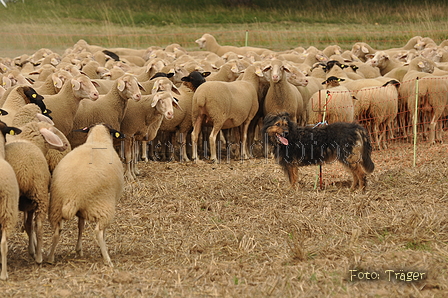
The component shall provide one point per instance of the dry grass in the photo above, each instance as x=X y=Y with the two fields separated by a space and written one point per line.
x=238 y=230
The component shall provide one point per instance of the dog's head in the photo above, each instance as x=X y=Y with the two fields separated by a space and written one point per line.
x=277 y=128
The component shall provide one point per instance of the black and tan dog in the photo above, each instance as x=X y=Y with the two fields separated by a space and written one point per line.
x=347 y=143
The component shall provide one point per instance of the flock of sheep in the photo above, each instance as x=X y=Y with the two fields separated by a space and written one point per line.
x=75 y=125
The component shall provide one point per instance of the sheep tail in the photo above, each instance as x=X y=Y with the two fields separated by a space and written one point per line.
x=366 y=152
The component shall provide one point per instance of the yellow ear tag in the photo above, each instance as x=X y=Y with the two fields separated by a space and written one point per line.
x=34 y=95
x=117 y=135
x=73 y=86
x=11 y=132
x=45 y=112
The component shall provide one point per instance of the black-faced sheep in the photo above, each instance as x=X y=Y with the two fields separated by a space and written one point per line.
x=9 y=198
x=87 y=183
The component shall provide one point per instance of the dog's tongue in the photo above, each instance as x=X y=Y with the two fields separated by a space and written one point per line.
x=283 y=140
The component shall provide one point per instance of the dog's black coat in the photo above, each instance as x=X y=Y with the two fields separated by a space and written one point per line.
x=347 y=143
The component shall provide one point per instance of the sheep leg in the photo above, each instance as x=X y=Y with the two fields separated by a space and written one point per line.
x=128 y=160
x=100 y=237
x=243 y=135
x=55 y=240
x=29 y=228
x=81 y=224
x=144 y=145
x=39 y=235
x=134 y=160
x=4 y=251
x=183 y=148
x=212 y=140
x=195 y=136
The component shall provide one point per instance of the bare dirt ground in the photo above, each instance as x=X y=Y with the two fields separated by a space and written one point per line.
x=238 y=230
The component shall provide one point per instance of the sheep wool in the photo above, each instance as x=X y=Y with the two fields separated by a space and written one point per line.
x=87 y=183
x=9 y=198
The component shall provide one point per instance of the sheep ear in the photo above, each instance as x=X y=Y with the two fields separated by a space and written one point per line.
x=44 y=118
x=155 y=99
x=364 y=49
x=51 y=137
x=84 y=129
x=140 y=86
x=121 y=84
x=13 y=130
x=116 y=134
x=155 y=87
x=175 y=90
x=176 y=104
x=206 y=74
x=3 y=112
x=76 y=85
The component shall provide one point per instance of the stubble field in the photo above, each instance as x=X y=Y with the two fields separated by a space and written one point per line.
x=237 y=229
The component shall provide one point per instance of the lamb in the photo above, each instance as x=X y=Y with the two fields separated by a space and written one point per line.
x=335 y=101
x=209 y=42
x=87 y=183
x=9 y=198
x=225 y=105
x=378 y=105
x=64 y=104
x=282 y=96
x=110 y=108
x=26 y=155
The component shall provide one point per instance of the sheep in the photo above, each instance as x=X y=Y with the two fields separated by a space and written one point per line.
x=181 y=121
x=19 y=96
x=9 y=198
x=26 y=155
x=209 y=42
x=144 y=118
x=383 y=61
x=227 y=73
x=335 y=101
x=225 y=105
x=65 y=104
x=108 y=108
x=87 y=183
x=282 y=96
x=432 y=100
x=53 y=83
x=361 y=50
x=378 y=105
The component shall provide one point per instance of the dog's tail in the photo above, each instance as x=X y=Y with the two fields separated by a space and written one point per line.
x=367 y=162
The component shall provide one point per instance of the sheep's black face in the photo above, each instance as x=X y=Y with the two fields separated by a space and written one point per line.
x=195 y=79
x=32 y=95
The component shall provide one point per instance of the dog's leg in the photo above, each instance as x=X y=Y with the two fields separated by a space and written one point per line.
x=293 y=172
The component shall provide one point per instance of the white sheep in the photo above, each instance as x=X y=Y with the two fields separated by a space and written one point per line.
x=64 y=104
x=109 y=108
x=208 y=42
x=225 y=105
x=335 y=101
x=378 y=106
x=383 y=61
x=87 y=183
x=26 y=155
x=143 y=118
x=54 y=82
x=9 y=198
x=282 y=96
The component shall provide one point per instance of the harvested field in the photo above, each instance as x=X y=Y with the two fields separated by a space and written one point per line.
x=238 y=230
